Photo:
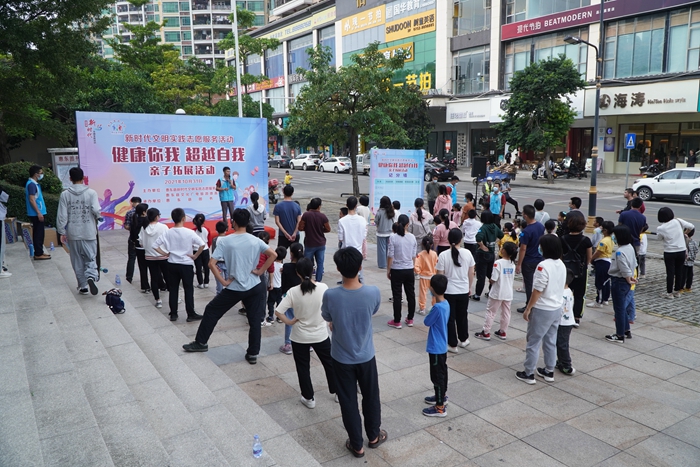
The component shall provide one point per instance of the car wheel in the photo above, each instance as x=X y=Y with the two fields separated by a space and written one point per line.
x=303 y=166
x=322 y=169
x=644 y=193
x=335 y=170
x=427 y=177
x=695 y=197
x=291 y=165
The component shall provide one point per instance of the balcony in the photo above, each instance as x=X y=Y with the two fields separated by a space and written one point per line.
x=464 y=86
x=221 y=20
x=221 y=6
x=285 y=7
x=201 y=5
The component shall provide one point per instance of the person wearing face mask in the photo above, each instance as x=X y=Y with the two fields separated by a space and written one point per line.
x=453 y=188
x=497 y=203
x=36 y=210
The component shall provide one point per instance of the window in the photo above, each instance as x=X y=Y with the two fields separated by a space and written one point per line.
x=186 y=36
x=274 y=63
x=185 y=21
x=275 y=97
x=170 y=7
x=184 y=6
x=151 y=7
x=689 y=175
x=298 y=58
x=172 y=21
x=172 y=36
x=186 y=50
x=684 y=40
x=518 y=10
x=256 y=6
x=471 y=71
x=259 y=20
x=326 y=37
x=252 y=65
x=635 y=46
x=472 y=16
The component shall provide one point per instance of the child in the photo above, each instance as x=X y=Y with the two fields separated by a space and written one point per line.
x=622 y=268
x=509 y=236
x=631 y=309
x=601 y=263
x=689 y=260
x=290 y=279
x=363 y=208
x=456 y=214
x=597 y=232
x=287 y=178
x=643 y=243
x=551 y=227
x=564 y=332
x=425 y=268
x=397 y=208
x=501 y=293
x=437 y=347
x=561 y=224
x=274 y=297
x=343 y=212
x=221 y=266
x=202 y=262
x=470 y=227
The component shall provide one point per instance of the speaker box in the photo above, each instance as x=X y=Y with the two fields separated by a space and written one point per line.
x=479 y=167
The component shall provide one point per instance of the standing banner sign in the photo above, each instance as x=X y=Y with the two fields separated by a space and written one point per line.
x=398 y=174
x=170 y=161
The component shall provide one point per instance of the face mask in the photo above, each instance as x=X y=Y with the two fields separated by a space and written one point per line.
x=614 y=239
x=41 y=176
x=539 y=250
x=495 y=189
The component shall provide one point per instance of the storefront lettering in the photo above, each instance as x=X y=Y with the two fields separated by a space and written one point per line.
x=637 y=100
x=563 y=19
x=424 y=81
x=465 y=115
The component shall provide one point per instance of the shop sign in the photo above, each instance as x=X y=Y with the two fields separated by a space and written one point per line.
x=475 y=110
x=295 y=78
x=423 y=80
x=585 y=15
x=669 y=97
x=255 y=87
x=411 y=26
x=498 y=106
x=361 y=21
x=401 y=8
x=302 y=26
x=407 y=49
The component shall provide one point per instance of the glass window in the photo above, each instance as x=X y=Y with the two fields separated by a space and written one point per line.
x=518 y=10
x=275 y=97
x=259 y=20
x=170 y=7
x=274 y=63
x=256 y=6
x=172 y=21
x=472 y=16
x=295 y=89
x=186 y=36
x=187 y=50
x=326 y=37
x=471 y=71
x=252 y=65
x=172 y=36
x=184 y=6
x=689 y=175
x=670 y=175
x=185 y=21
x=635 y=47
x=298 y=58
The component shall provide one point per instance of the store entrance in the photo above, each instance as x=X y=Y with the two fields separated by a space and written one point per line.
x=664 y=147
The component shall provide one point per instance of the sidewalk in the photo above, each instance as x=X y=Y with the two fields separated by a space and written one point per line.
x=85 y=387
x=606 y=183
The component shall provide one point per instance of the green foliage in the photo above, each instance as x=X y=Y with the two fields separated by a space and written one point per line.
x=145 y=51
x=17 y=173
x=13 y=178
x=16 y=206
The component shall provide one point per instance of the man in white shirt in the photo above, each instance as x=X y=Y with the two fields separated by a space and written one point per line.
x=352 y=229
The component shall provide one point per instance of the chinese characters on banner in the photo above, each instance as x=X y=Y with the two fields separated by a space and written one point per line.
x=398 y=174
x=171 y=160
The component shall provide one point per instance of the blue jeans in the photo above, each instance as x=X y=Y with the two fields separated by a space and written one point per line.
x=620 y=291
x=288 y=329
x=631 y=309
x=317 y=254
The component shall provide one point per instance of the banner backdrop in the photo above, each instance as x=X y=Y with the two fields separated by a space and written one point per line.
x=170 y=161
x=398 y=174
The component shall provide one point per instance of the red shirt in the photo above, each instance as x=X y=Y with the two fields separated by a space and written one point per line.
x=263 y=258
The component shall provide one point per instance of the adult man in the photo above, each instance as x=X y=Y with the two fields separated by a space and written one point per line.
x=131 y=257
x=691 y=158
x=575 y=204
x=349 y=310
x=452 y=188
x=226 y=187
x=540 y=215
x=240 y=251
x=76 y=223
x=36 y=210
x=287 y=217
x=505 y=188
x=634 y=220
x=629 y=194
x=529 y=256
x=315 y=224
x=108 y=206
x=432 y=191
x=352 y=229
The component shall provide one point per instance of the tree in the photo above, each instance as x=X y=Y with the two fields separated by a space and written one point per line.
x=145 y=51
x=539 y=113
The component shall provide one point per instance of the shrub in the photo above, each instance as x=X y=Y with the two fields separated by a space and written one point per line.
x=17 y=173
x=16 y=206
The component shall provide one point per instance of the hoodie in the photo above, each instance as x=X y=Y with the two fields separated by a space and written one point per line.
x=257 y=217
x=148 y=237
x=78 y=210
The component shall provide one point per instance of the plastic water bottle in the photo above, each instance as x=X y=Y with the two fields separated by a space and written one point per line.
x=31 y=250
x=117 y=281
x=257 y=447
x=51 y=247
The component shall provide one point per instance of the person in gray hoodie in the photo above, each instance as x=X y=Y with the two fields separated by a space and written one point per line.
x=76 y=223
x=624 y=262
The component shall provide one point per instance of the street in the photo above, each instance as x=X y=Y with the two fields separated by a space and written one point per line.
x=328 y=185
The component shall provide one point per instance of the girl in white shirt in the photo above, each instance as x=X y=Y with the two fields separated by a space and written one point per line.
x=157 y=263
x=672 y=232
x=202 y=262
x=309 y=330
x=501 y=292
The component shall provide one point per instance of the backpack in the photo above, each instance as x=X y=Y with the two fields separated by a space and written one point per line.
x=572 y=260
x=114 y=301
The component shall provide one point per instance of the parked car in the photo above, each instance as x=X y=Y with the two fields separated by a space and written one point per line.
x=436 y=168
x=681 y=184
x=363 y=163
x=305 y=162
x=336 y=164
x=281 y=162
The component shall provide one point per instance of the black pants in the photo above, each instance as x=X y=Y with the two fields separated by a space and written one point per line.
x=563 y=356
x=578 y=288
x=528 y=271
x=439 y=249
x=274 y=297
x=159 y=271
x=438 y=376
x=348 y=376
x=688 y=276
x=510 y=200
x=254 y=303
x=472 y=247
x=283 y=242
x=484 y=268
x=202 y=264
x=403 y=278
x=130 y=262
x=184 y=273
x=431 y=205
x=674 y=270
x=37 y=235
x=458 y=324
x=143 y=268
x=302 y=360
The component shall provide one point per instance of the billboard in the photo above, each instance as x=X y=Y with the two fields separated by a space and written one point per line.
x=170 y=161
x=398 y=174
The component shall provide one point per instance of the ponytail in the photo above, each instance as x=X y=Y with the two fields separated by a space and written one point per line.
x=445 y=218
x=418 y=203
x=401 y=225
x=427 y=242
x=198 y=222
x=254 y=197
x=455 y=238
x=296 y=251
x=304 y=269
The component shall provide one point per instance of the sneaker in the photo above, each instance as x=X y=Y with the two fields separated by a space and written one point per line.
x=194 y=317
x=615 y=338
x=270 y=320
x=92 y=286
x=521 y=310
x=200 y=286
x=409 y=323
x=391 y=299
x=206 y=286
x=159 y=303
x=483 y=335
x=569 y=371
x=83 y=291
x=628 y=334
x=286 y=349
x=173 y=317
x=309 y=403
x=676 y=294
x=242 y=312
x=430 y=400
x=278 y=320
x=421 y=312
x=594 y=305
x=252 y=359
x=145 y=290
x=642 y=276
x=606 y=303
x=547 y=375
x=4 y=273
x=195 y=346
x=394 y=324
x=452 y=349
x=667 y=295
x=525 y=378
x=501 y=335
x=464 y=344
x=435 y=411
x=577 y=322
x=265 y=323
x=476 y=298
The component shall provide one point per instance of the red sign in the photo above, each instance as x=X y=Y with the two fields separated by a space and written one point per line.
x=255 y=87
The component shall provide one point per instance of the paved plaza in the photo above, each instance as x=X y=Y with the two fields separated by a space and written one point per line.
x=84 y=387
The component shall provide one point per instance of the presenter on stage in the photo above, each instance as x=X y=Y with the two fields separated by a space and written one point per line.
x=226 y=187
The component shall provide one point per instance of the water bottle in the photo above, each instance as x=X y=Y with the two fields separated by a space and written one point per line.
x=117 y=281
x=257 y=447
x=31 y=250
x=51 y=247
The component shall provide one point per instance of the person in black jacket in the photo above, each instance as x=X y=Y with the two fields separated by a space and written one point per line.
x=139 y=222
x=576 y=241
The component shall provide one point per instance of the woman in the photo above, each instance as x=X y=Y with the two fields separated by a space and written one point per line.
x=457 y=264
x=672 y=231
x=486 y=239
x=419 y=224
x=137 y=224
x=468 y=206
x=443 y=201
x=543 y=311
x=315 y=226
x=157 y=263
x=575 y=241
x=442 y=230
x=384 y=219
x=309 y=330
x=201 y=264
x=621 y=271
x=258 y=214
x=402 y=260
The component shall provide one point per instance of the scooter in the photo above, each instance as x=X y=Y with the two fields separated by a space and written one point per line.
x=539 y=172
x=273 y=190
x=651 y=170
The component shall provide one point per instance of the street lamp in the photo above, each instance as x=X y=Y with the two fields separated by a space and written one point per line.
x=238 y=61
x=593 y=191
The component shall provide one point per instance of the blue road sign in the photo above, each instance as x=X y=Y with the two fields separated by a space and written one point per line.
x=630 y=140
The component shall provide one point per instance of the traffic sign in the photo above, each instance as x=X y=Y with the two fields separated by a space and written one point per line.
x=630 y=140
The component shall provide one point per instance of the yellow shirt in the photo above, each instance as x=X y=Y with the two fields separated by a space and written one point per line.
x=605 y=247
x=288 y=179
x=506 y=238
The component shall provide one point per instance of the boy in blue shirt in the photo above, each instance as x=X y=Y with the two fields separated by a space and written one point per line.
x=437 y=347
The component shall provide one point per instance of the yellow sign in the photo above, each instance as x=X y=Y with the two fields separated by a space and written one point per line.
x=407 y=50
x=411 y=26
x=365 y=20
x=424 y=81
x=307 y=24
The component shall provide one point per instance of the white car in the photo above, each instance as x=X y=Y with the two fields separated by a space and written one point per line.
x=674 y=184
x=305 y=162
x=336 y=164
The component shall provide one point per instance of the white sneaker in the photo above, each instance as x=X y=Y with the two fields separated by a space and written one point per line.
x=206 y=286
x=309 y=403
x=594 y=305
x=200 y=286
x=452 y=349
x=464 y=344
x=159 y=303
x=265 y=323
x=421 y=312
x=606 y=303
x=5 y=274
x=336 y=399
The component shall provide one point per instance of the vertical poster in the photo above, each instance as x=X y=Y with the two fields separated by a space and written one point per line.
x=170 y=161
x=398 y=174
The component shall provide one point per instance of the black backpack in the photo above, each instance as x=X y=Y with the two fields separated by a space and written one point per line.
x=572 y=260
x=114 y=301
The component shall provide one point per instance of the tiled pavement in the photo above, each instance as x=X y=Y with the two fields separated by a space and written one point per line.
x=635 y=404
